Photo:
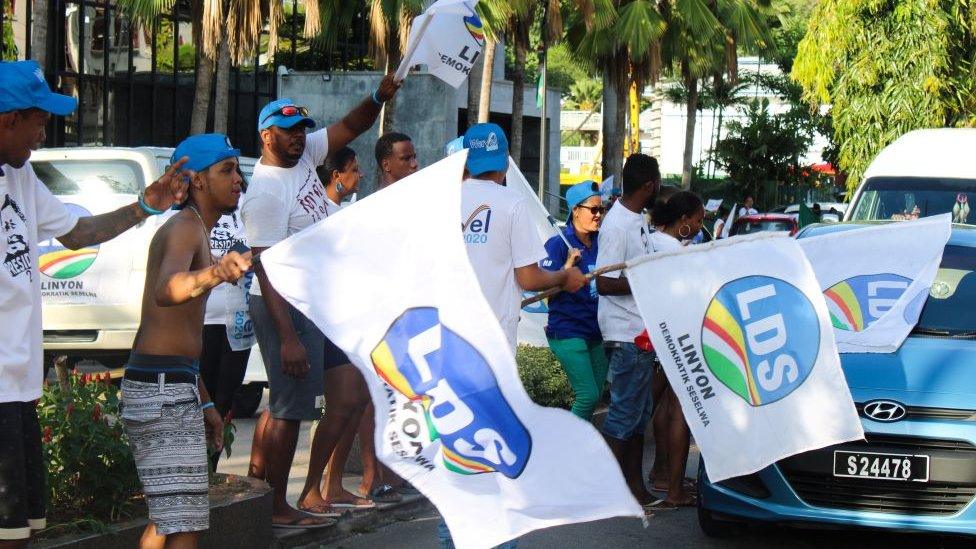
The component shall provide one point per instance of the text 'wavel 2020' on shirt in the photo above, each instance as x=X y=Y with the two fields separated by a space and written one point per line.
x=500 y=237
x=29 y=214
x=279 y=202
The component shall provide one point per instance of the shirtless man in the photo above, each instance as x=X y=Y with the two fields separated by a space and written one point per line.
x=164 y=401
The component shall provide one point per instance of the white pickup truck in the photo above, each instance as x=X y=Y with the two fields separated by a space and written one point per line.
x=92 y=297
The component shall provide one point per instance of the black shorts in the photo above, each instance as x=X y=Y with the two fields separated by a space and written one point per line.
x=22 y=474
x=334 y=355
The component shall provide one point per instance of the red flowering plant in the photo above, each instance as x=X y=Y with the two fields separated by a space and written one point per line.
x=90 y=471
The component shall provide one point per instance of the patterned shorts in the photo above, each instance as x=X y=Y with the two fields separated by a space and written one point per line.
x=166 y=433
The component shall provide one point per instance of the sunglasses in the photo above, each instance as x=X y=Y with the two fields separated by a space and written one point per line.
x=595 y=210
x=287 y=110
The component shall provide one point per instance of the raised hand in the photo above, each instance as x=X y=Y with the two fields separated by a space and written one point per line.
x=171 y=188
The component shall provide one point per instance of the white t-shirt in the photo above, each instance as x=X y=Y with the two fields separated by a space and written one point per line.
x=500 y=237
x=279 y=202
x=719 y=225
x=747 y=211
x=624 y=235
x=228 y=231
x=29 y=213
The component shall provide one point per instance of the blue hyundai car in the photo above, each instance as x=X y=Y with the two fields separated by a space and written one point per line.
x=917 y=469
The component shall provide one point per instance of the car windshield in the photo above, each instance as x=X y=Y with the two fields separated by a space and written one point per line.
x=903 y=198
x=952 y=299
x=749 y=227
x=89 y=177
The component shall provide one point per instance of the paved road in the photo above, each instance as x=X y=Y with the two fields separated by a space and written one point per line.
x=669 y=529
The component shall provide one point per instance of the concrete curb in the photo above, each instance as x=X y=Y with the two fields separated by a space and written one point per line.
x=351 y=523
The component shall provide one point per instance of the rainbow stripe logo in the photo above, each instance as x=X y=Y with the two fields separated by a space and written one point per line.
x=760 y=338
x=464 y=408
x=59 y=262
x=476 y=28
x=858 y=302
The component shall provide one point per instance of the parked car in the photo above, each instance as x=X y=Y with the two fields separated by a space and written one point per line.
x=917 y=469
x=923 y=173
x=757 y=223
x=92 y=297
x=793 y=210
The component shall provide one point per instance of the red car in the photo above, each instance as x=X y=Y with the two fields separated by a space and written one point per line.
x=758 y=223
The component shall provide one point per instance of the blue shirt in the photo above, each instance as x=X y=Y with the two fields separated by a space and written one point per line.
x=572 y=315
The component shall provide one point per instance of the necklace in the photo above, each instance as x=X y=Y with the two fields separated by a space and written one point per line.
x=206 y=234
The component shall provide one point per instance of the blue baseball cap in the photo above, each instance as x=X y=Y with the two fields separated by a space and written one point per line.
x=204 y=150
x=487 y=148
x=24 y=87
x=579 y=192
x=271 y=115
x=454 y=145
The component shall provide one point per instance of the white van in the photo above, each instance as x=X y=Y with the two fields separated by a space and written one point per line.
x=923 y=173
x=92 y=297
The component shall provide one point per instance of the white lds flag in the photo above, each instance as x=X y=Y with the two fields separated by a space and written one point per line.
x=744 y=336
x=401 y=299
x=448 y=38
x=876 y=279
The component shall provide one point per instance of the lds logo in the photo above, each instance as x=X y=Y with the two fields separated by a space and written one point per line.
x=59 y=262
x=760 y=338
x=858 y=302
x=474 y=26
x=465 y=409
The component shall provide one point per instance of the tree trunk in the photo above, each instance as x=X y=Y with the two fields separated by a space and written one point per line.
x=474 y=90
x=612 y=162
x=623 y=108
x=222 y=87
x=487 y=75
x=718 y=130
x=201 y=97
x=692 y=110
x=518 y=101
x=40 y=10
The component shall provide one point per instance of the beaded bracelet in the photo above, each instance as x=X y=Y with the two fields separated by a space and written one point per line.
x=206 y=405
x=375 y=98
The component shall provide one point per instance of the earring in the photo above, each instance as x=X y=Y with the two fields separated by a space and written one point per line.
x=339 y=187
x=683 y=228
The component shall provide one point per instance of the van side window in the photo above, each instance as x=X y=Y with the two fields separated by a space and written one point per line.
x=90 y=177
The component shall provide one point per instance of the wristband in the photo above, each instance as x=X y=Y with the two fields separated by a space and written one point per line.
x=206 y=405
x=375 y=98
x=146 y=207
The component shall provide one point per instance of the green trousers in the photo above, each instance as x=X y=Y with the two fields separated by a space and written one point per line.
x=586 y=365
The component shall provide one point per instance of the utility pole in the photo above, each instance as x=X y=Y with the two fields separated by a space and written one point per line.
x=543 y=120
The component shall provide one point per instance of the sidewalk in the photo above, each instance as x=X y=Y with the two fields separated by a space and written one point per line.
x=351 y=522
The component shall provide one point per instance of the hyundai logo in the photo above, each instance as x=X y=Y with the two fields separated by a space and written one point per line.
x=884 y=410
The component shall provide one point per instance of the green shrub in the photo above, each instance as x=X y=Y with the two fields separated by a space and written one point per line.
x=90 y=471
x=543 y=377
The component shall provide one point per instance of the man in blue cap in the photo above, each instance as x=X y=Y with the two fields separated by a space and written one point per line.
x=167 y=412
x=29 y=214
x=283 y=197
x=503 y=244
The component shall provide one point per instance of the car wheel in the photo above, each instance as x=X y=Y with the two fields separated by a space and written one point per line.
x=247 y=400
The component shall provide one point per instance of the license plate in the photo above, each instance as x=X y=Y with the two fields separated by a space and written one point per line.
x=905 y=467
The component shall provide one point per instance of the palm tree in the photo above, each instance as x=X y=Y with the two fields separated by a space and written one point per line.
x=234 y=26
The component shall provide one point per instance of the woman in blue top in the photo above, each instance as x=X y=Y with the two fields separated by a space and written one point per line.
x=573 y=331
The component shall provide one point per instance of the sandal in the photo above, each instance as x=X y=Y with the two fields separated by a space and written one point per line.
x=321 y=510
x=385 y=494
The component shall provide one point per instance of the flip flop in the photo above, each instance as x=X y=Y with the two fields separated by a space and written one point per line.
x=384 y=494
x=294 y=524
x=660 y=505
x=346 y=505
x=327 y=514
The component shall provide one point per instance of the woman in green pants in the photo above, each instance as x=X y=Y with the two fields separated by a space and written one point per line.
x=573 y=332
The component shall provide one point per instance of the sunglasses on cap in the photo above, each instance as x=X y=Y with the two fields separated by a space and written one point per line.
x=287 y=110
x=595 y=210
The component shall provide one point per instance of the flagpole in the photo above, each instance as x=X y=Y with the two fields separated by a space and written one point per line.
x=589 y=276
